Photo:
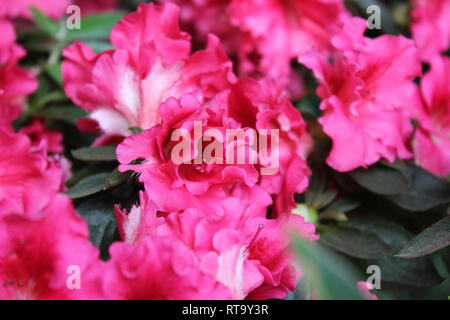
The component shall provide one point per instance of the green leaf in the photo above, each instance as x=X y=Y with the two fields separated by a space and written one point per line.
x=88 y=186
x=116 y=178
x=418 y=272
x=428 y=241
x=425 y=192
x=103 y=153
x=353 y=242
x=332 y=276
x=99 y=214
x=44 y=22
x=382 y=178
x=69 y=114
x=414 y=272
x=54 y=70
x=95 y=26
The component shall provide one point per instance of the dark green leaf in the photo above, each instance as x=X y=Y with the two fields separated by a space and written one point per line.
x=426 y=191
x=382 y=179
x=115 y=179
x=69 y=114
x=415 y=272
x=103 y=153
x=99 y=214
x=44 y=22
x=428 y=241
x=54 y=70
x=88 y=186
x=354 y=242
x=418 y=272
x=95 y=26
x=332 y=276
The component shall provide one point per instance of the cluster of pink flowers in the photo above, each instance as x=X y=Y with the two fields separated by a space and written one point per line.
x=208 y=230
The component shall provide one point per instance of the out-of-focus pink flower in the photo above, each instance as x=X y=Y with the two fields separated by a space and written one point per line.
x=39 y=255
x=55 y=9
x=235 y=243
x=89 y=6
x=28 y=178
x=364 y=288
x=15 y=83
x=124 y=88
x=367 y=90
x=265 y=35
x=21 y=8
x=280 y=30
x=42 y=138
x=158 y=269
x=432 y=139
x=430 y=27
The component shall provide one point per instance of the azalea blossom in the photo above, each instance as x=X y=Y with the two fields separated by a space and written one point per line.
x=37 y=255
x=266 y=35
x=367 y=93
x=15 y=82
x=123 y=88
x=53 y=8
x=158 y=269
x=236 y=243
x=432 y=138
x=28 y=178
x=430 y=28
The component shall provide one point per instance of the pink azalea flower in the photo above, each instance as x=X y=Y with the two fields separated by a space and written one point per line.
x=266 y=35
x=268 y=107
x=124 y=88
x=28 y=178
x=432 y=140
x=142 y=220
x=430 y=28
x=175 y=185
x=43 y=138
x=15 y=82
x=21 y=8
x=281 y=30
x=246 y=105
x=158 y=269
x=367 y=93
x=89 y=6
x=235 y=243
x=38 y=255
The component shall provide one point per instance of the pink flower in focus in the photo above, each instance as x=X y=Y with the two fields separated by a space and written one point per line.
x=37 y=253
x=124 y=88
x=264 y=105
x=367 y=91
x=15 y=82
x=430 y=27
x=158 y=269
x=28 y=178
x=432 y=140
x=174 y=185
